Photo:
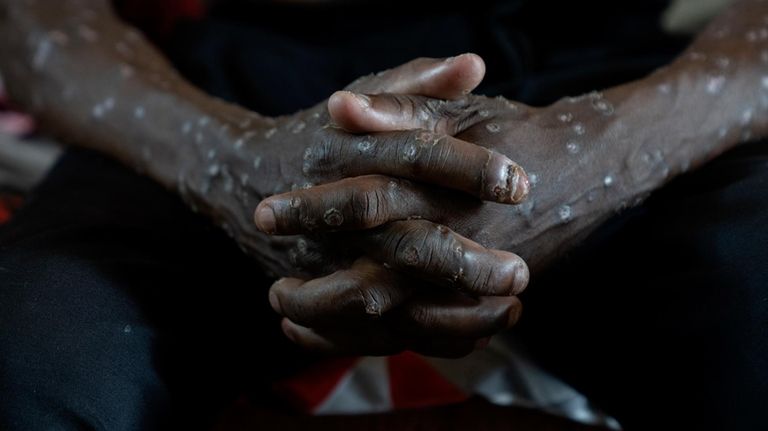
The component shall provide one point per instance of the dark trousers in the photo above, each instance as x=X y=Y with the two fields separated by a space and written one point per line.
x=122 y=310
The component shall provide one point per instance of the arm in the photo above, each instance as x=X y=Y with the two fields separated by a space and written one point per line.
x=639 y=136
x=587 y=157
x=95 y=82
x=594 y=155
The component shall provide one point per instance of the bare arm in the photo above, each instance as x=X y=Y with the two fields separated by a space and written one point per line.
x=639 y=136
x=587 y=157
x=96 y=82
x=593 y=155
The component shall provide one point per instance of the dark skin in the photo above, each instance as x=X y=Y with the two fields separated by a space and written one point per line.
x=587 y=158
x=95 y=82
x=591 y=158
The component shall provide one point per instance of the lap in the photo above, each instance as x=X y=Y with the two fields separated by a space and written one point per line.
x=663 y=313
x=117 y=302
x=115 y=299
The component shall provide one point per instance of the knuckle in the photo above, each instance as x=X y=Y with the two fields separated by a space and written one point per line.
x=488 y=276
x=459 y=124
x=402 y=104
x=296 y=208
x=324 y=156
x=450 y=252
x=309 y=255
x=369 y=207
x=434 y=115
x=481 y=282
x=368 y=300
x=422 y=317
x=367 y=146
x=453 y=117
x=417 y=147
x=291 y=305
x=432 y=248
x=299 y=212
x=434 y=110
x=408 y=148
x=413 y=108
x=409 y=248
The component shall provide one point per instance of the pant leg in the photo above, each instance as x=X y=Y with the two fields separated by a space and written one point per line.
x=662 y=316
x=122 y=310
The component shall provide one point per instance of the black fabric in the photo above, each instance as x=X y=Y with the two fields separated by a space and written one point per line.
x=661 y=317
x=119 y=307
x=122 y=310
x=536 y=51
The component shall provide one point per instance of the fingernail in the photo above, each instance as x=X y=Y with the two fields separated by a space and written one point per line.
x=521 y=278
x=451 y=59
x=274 y=301
x=265 y=219
x=508 y=181
x=521 y=184
x=363 y=100
x=482 y=343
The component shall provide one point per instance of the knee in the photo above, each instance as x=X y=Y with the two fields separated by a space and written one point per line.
x=73 y=351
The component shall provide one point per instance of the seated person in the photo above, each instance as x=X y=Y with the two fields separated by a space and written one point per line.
x=390 y=212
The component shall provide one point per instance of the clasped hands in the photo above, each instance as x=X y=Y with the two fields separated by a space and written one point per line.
x=412 y=282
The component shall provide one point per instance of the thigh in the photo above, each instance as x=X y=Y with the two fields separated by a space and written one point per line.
x=118 y=305
x=662 y=316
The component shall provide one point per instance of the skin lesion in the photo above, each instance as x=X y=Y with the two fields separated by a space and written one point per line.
x=574 y=132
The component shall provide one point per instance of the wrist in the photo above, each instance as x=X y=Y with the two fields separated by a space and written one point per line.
x=223 y=143
x=606 y=152
x=690 y=112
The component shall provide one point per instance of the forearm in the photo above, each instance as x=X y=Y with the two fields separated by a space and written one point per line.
x=96 y=82
x=714 y=96
x=624 y=143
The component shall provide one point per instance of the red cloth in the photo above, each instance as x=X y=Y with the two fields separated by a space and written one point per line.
x=408 y=381
x=414 y=383
x=5 y=213
x=310 y=388
x=8 y=204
